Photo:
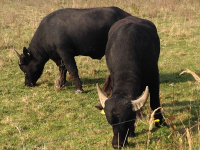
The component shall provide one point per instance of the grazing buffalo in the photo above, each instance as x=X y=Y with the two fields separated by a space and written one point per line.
x=64 y=34
x=132 y=54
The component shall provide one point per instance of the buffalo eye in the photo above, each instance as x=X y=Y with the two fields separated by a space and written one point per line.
x=114 y=111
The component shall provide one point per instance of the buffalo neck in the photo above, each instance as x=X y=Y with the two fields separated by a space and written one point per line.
x=38 y=54
x=129 y=89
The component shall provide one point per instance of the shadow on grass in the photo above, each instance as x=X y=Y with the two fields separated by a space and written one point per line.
x=164 y=78
x=85 y=81
x=175 y=77
x=89 y=81
x=177 y=105
x=69 y=85
x=192 y=108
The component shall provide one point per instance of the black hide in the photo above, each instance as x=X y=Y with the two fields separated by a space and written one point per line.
x=132 y=54
x=64 y=34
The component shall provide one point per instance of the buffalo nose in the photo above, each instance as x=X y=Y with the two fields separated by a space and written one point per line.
x=117 y=146
x=29 y=84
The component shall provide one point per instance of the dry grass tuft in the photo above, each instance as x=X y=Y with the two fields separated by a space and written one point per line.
x=6 y=120
x=1 y=63
x=151 y=120
x=56 y=86
x=196 y=77
x=151 y=123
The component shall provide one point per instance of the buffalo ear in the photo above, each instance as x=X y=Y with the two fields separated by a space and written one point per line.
x=26 y=52
x=107 y=86
x=99 y=107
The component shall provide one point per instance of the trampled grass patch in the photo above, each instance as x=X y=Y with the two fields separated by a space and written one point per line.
x=42 y=117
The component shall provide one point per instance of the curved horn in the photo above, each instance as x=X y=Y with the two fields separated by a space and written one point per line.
x=18 y=55
x=139 y=103
x=102 y=97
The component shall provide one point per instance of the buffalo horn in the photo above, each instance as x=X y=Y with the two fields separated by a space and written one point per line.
x=102 y=97
x=18 y=55
x=139 y=103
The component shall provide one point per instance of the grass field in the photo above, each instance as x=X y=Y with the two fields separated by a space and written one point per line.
x=43 y=117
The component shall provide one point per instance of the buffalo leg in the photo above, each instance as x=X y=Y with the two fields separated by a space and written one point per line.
x=155 y=100
x=71 y=67
x=132 y=129
x=63 y=72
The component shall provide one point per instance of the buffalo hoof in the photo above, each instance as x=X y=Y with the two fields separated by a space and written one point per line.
x=120 y=146
x=78 y=91
x=60 y=83
x=161 y=124
x=30 y=84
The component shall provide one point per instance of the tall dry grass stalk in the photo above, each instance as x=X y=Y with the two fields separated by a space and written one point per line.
x=151 y=123
x=125 y=137
x=151 y=120
x=21 y=137
x=196 y=77
x=189 y=139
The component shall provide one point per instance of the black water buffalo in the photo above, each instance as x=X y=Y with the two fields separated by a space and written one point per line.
x=64 y=34
x=132 y=54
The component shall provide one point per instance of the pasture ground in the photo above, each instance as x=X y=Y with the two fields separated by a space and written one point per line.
x=43 y=117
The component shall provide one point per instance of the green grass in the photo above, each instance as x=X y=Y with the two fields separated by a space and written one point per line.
x=59 y=119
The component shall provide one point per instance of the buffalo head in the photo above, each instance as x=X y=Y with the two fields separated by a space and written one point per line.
x=30 y=66
x=120 y=112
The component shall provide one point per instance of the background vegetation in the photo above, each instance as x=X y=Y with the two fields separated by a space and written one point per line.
x=43 y=117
